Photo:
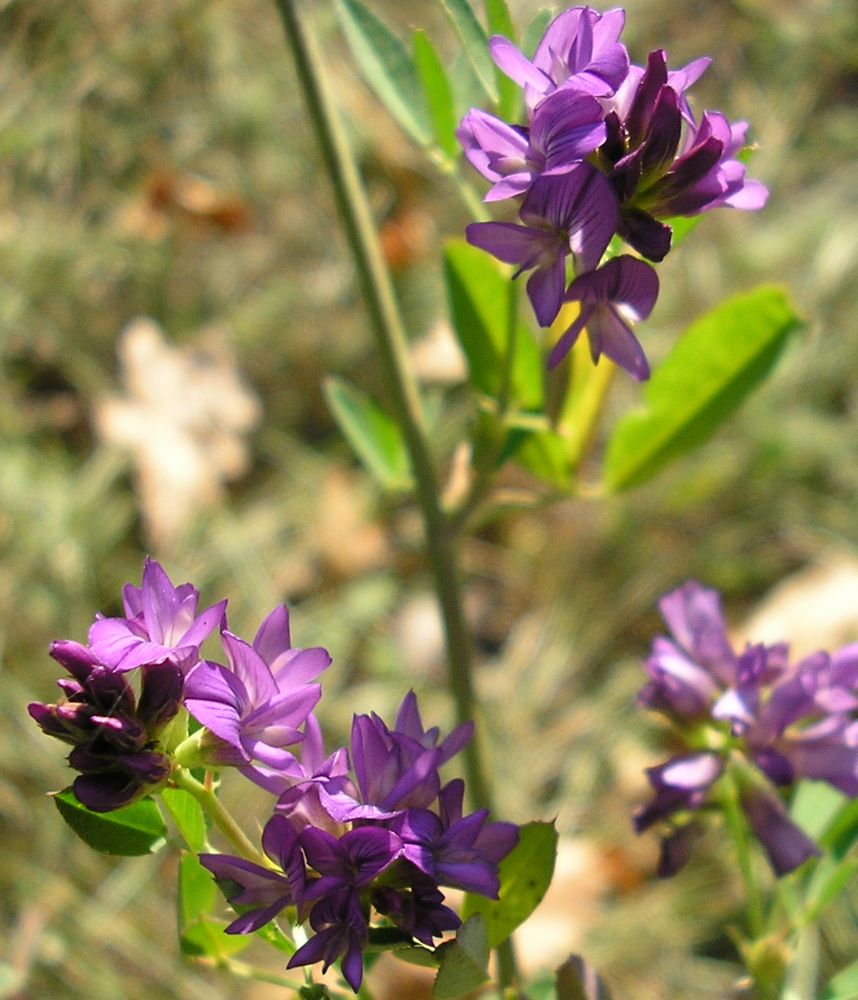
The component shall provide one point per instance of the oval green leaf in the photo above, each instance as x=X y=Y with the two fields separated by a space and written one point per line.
x=464 y=962
x=525 y=874
x=131 y=831
x=713 y=367
x=188 y=816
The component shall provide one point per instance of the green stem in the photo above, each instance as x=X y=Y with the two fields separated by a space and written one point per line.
x=403 y=394
x=738 y=828
x=218 y=814
x=353 y=207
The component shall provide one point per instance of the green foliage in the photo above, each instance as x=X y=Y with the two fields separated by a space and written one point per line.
x=483 y=310
x=475 y=42
x=130 y=831
x=525 y=874
x=464 y=962
x=713 y=367
x=188 y=817
x=375 y=437
x=386 y=66
x=437 y=92
x=844 y=986
x=200 y=934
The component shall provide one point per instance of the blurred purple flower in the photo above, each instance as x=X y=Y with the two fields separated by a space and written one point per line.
x=569 y=213
x=619 y=293
x=160 y=621
x=256 y=707
x=416 y=908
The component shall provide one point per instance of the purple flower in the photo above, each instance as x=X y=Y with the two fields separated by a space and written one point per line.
x=255 y=707
x=341 y=929
x=113 y=731
x=566 y=128
x=580 y=50
x=416 y=908
x=770 y=722
x=461 y=852
x=569 y=213
x=160 y=621
x=352 y=861
x=619 y=293
x=263 y=890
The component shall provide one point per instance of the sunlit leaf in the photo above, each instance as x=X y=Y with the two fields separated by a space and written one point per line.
x=438 y=94
x=133 y=830
x=201 y=934
x=844 y=986
x=712 y=368
x=475 y=42
x=482 y=308
x=386 y=66
x=374 y=435
x=534 y=31
x=525 y=874
x=188 y=816
x=464 y=962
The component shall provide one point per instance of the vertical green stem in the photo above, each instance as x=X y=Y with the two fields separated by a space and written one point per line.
x=738 y=828
x=360 y=232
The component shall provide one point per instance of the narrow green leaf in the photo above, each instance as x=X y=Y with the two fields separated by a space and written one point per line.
x=577 y=980
x=509 y=93
x=842 y=832
x=200 y=934
x=188 y=816
x=464 y=962
x=525 y=874
x=438 y=93
x=481 y=299
x=386 y=66
x=475 y=42
x=844 y=986
x=374 y=435
x=713 y=367
x=829 y=880
x=130 y=831
x=534 y=32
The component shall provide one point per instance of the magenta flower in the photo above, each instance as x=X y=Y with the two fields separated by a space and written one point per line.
x=620 y=293
x=160 y=621
x=256 y=706
x=570 y=213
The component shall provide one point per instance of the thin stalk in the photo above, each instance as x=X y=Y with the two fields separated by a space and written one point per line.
x=219 y=815
x=353 y=207
x=738 y=828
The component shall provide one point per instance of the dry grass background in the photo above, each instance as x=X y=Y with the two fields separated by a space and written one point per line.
x=154 y=161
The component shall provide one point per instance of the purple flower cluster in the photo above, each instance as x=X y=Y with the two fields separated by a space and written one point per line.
x=608 y=149
x=768 y=721
x=381 y=837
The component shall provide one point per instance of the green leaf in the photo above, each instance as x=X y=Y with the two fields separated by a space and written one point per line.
x=842 y=832
x=577 y=980
x=482 y=305
x=374 y=435
x=200 y=934
x=712 y=368
x=475 y=42
x=844 y=986
x=130 y=831
x=188 y=816
x=438 y=94
x=386 y=66
x=544 y=454
x=464 y=962
x=509 y=93
x=525 y=874
x=534 y=32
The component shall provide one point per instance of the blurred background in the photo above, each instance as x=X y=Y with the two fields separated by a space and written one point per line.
x=175 y=288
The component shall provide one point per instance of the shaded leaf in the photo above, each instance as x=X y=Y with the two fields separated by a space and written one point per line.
x=482 y=307
x=188 y=816
x=475 y=42
x=713 y=367
x=525 y=874
x=375 y=437
x=437 y=92
x=544 y=454
x=133 y=830
x=464 y=962
x=386 y=66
